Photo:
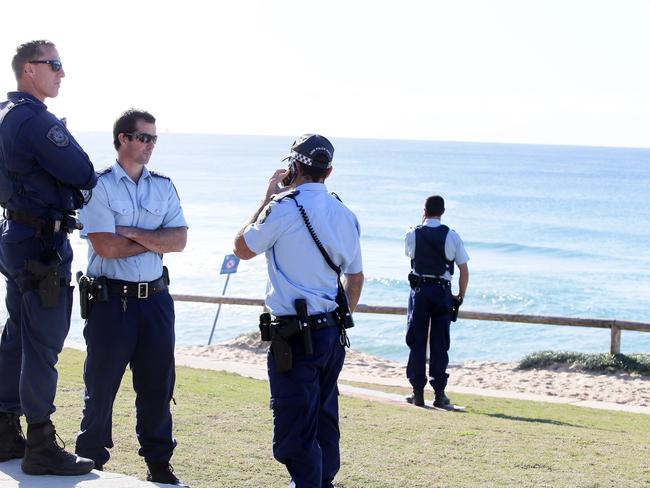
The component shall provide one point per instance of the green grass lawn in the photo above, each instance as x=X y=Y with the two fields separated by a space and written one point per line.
x=223 y=426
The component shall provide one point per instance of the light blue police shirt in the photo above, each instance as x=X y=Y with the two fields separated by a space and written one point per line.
x=296 y=267
x=454 y=247
x=150 y=204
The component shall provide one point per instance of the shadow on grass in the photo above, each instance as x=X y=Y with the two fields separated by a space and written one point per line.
x=533 y=420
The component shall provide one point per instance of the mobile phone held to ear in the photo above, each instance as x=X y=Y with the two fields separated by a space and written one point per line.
x=291 y=174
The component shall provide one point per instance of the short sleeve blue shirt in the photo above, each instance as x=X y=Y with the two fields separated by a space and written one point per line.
x=117 y=200
x=295 y=265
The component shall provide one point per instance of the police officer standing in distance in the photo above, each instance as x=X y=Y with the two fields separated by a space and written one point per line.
x=133 y=217
x=308 y=304
x=42 y=170
x=433 y=249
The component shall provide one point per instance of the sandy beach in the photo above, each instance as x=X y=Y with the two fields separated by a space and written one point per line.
x=558 y=381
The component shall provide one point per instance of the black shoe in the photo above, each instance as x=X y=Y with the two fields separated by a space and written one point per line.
x=441 y=400
x=12 y=439
x=43 y=455
x=99 y=467
x=163 y=473
x=417 y=398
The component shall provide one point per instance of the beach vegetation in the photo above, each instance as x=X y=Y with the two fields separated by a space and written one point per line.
x=223 y=426
x=592 y=362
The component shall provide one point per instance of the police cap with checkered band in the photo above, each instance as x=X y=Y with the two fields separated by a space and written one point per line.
x=312 y=150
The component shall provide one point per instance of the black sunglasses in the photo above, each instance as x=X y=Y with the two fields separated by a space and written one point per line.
x=55 y=64
x=143 y=137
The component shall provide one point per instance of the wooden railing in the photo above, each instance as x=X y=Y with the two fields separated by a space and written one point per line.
x=615 y=326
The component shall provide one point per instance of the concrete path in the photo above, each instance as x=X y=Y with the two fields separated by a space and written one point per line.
x=259 y=372
x=11 y=476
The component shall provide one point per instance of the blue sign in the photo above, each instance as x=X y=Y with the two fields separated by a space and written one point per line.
x=230 y=263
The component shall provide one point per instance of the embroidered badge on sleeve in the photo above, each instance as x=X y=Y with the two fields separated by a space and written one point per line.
x=58 y=136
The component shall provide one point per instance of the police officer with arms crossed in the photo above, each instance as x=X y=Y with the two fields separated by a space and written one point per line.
x=133 y=217
x=304 y=397
x=433 y=249
x=42 y=169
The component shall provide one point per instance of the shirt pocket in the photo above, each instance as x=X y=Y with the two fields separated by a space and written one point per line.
x=123 y=211
x=153 y=213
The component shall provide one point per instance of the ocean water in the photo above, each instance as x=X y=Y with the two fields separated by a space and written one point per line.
x=550 y=230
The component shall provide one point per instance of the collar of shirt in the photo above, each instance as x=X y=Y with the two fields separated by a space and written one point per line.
x=119 y=173
x=432 y=222
x=312 y=187
x=20 y=94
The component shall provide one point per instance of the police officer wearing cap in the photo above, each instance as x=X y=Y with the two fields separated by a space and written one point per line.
x=42 y=170
x=304 y=398
x=433 y=249
x=132 y=219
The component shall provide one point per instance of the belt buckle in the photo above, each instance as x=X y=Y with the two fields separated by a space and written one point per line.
x=143 y=290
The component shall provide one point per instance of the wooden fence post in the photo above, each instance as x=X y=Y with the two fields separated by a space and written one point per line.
x=615 y=345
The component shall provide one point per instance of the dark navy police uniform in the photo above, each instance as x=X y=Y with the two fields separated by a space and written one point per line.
x=136 y=325
x=42 y=169
x=304 y=400
x=433 y=249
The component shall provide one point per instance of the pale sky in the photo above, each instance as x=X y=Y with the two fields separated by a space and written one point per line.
x=529 y=71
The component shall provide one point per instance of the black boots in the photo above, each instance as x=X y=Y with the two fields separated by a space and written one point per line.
x=417 y=398
x=441 y=400
x=12 y=440
x=44 y=456
x=163 y=473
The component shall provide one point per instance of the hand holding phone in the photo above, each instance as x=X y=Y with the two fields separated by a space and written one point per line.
x=291 y=174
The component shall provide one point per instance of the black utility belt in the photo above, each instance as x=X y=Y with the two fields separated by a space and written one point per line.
x=316 y=322
x=43 y=225
x=417 y=280
x=436 y=281
x=136 y=290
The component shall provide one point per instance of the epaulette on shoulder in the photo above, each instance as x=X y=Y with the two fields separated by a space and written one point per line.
x=104 y=171
x=159 y=175
x=337 y=197
x=287 y=194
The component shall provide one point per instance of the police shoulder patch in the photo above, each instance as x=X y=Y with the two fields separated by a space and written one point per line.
x=58 y=136
x=281 y=196
x=261 y=218
x=87 y=194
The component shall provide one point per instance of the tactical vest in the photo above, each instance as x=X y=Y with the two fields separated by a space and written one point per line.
x=7 y=179
x=430 y=258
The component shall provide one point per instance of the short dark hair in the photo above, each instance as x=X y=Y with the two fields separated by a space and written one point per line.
x=126 y=123
x=434 y=206
x=316 y=174
x=27 y=52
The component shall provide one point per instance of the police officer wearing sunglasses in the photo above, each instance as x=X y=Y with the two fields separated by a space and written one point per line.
x=42 y=170
x=303 y=286
x=133 y=217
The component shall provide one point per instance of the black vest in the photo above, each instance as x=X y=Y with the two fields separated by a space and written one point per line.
x=7 y=179
x=430 y=258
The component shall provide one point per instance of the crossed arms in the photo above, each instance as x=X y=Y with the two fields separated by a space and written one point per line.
x=129 y=241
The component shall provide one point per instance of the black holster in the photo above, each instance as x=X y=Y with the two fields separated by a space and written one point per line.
x=45 y=280
x=455 y=307
x=414 y=280
x=91 y=290
x=265 y=326
x=281 y=331
x=84 y=294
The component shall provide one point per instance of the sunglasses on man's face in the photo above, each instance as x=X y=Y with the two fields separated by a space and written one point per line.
x=143 y=137
x=55 y=64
